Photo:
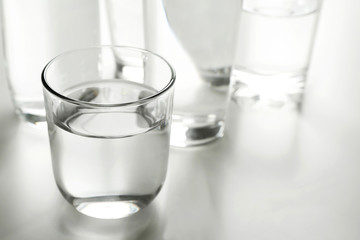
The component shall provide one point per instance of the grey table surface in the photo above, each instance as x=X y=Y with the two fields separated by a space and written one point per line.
x=274 y=175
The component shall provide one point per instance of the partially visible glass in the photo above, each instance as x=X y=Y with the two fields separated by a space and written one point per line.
x=198 y=38
x=108 y=111
x=202 y=49
x=273 y=51
x=33 y=32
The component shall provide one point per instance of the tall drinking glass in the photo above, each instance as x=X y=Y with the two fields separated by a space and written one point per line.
x=108 y=111
x=33 y=32
x=273 y=50
x=202 y=49
x=198 y=38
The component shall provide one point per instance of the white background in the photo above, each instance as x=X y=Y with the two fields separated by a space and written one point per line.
x=273 y=175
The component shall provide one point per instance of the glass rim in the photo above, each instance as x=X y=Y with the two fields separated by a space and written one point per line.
x=141 y=101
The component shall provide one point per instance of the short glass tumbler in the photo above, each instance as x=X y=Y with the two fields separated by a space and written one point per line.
x=108 y=111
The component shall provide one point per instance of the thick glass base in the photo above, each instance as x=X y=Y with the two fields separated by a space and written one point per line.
x=34 y=120
x=32 y=113
x=272 y=90
x=110 y=207
x=189 y=131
